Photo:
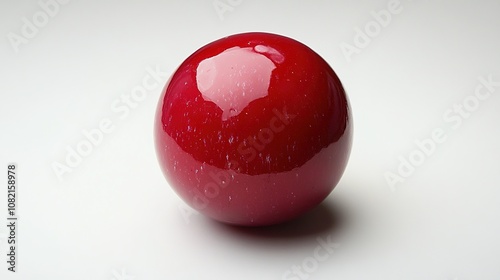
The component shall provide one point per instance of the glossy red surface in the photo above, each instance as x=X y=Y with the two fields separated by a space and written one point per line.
x=253 y=129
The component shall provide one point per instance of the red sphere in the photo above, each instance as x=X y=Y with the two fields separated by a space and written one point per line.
x=253 y=129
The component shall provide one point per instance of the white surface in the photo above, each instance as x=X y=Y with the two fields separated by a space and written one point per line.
x=114 y=216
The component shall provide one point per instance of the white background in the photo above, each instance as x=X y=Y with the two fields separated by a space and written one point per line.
x=114 y=216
